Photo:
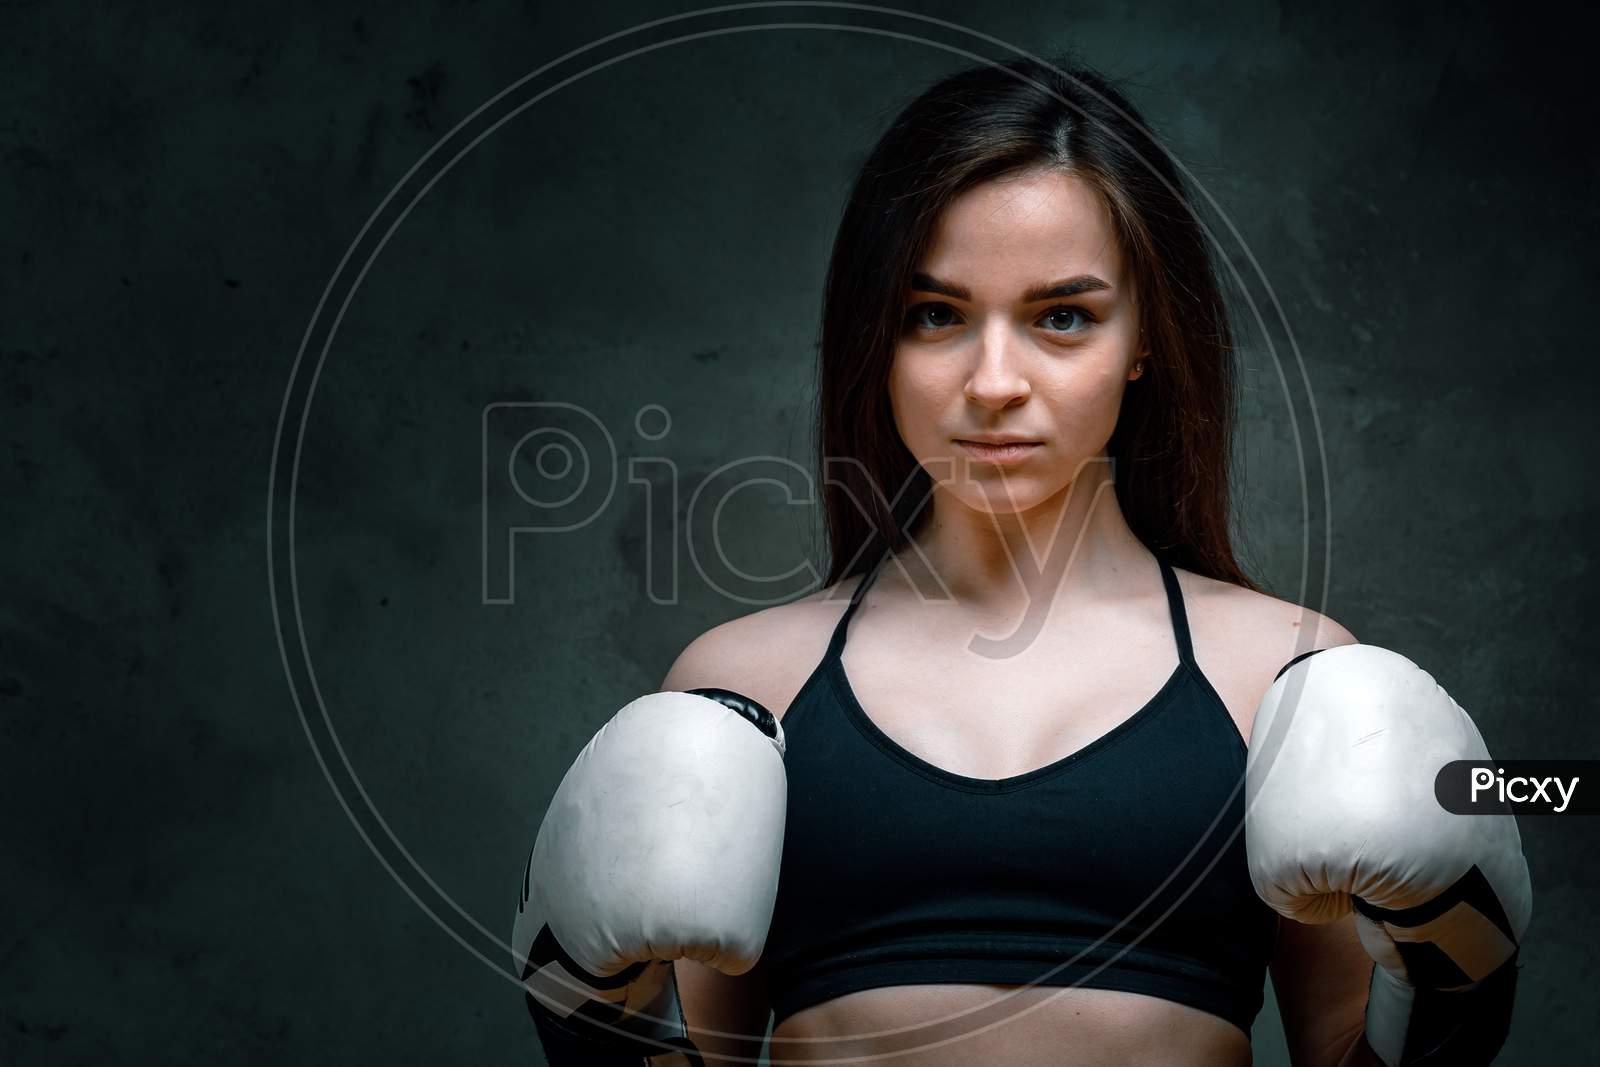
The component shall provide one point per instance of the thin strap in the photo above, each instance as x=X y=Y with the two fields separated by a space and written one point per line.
x=836 y=644
x=1180 y=618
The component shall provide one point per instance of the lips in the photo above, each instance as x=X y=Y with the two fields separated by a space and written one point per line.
x=998 y=452
x=997 y=440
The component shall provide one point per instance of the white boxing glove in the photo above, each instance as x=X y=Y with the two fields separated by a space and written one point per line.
x=1341 y=815
x=662 y=842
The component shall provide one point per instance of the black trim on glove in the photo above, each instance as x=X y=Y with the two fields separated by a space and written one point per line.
x=763 y=719
x=566 y=1047
x=581 y=1039
x=1427 y=965
x=1297 y=659
x=1462 y=1028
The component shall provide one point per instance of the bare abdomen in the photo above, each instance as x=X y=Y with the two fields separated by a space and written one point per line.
x=1006 y=1026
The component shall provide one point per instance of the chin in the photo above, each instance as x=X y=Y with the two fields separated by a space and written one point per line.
x=991 y=495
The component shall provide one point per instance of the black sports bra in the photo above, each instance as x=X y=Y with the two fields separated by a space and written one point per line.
x=1120 y=866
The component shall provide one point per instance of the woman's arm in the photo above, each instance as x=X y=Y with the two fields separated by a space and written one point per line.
x=727 y=1017
x=1320 y=973
x=1441 y=902
x=1320 y=976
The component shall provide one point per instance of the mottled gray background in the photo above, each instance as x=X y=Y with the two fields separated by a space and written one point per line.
x=181 y=885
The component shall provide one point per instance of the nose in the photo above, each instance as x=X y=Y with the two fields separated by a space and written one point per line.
x=998 y=379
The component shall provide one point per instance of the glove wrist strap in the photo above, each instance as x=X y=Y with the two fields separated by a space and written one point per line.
x=1410 y=1026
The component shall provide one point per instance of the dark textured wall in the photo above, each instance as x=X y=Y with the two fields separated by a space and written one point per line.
x=182 y=884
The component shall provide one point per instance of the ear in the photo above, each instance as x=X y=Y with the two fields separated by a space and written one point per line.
x=1136 y=371
x=1140 y=356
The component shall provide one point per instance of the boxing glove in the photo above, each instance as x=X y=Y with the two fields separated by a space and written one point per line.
x=662 y=842
x=1341 y=815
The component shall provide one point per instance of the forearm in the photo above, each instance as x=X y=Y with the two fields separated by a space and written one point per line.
x=1360 y=1054
x=1341 y=748
x=629 y=873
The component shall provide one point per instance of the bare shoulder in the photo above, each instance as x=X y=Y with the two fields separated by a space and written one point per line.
x=766 y=655
x=1242 y=638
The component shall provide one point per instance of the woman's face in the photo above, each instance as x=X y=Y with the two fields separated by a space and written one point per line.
x=984 y=350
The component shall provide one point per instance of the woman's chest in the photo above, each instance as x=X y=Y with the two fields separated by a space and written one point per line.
x=997 y=718
x=872 y=823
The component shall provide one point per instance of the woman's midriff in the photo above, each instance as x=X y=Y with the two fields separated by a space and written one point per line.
x=1006 y=1026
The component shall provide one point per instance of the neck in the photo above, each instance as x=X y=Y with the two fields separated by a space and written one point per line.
x=1074 y=543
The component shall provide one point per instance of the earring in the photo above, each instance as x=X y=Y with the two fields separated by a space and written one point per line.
x=1138 y=370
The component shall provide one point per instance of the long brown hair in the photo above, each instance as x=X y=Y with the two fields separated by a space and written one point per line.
x=1172 y=445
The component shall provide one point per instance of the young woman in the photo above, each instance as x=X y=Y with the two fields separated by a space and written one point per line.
x=1017 y=715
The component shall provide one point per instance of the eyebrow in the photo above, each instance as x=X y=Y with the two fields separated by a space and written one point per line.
x=1082 y=283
